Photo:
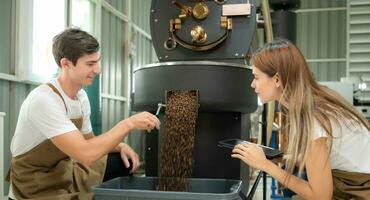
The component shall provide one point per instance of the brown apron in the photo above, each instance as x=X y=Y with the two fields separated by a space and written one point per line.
x=45 y=172
x=350 y=185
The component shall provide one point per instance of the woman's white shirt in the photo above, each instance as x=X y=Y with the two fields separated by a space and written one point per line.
x=350 y=148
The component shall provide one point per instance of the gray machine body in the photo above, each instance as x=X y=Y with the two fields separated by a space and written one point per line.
x=220 y=77
x=233 y=49
x=223 y=87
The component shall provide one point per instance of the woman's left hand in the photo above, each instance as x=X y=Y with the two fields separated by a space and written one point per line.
x=251 y=154
x=128 y=153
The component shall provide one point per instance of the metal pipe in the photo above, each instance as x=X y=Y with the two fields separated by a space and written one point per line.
x=271 y=104
x=160 y=105
x=269 y=38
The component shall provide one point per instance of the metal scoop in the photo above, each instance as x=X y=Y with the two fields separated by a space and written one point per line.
x=160 y=105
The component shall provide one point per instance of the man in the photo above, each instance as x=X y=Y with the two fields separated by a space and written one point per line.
x=55 y=154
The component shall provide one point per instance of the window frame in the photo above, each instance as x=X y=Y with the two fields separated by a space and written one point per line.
x=23 y=44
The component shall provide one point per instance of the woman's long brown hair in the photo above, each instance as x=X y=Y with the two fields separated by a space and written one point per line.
x=305 y=100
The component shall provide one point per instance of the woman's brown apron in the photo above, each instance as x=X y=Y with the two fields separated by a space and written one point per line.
x=350 y=185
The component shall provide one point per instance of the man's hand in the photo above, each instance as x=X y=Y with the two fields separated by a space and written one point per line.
x=128 y=153
x=143 y=121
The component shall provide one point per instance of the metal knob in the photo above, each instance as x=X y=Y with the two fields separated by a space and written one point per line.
x=198 y=34
x=200 y=10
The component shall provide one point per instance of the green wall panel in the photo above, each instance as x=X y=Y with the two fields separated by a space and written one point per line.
x=5 y=35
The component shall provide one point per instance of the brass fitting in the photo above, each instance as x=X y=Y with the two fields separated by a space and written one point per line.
x=177 y=24
x=184 y=10
x=229 y=24
x=198 y=34
x=223 y=22
x=226 y=23
x=200 y=11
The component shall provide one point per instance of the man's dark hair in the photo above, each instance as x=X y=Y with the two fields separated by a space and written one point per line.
x=72 y=44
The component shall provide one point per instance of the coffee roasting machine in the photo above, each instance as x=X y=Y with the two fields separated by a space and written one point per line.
x=202 y=46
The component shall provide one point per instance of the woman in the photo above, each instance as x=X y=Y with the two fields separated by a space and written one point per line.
x=326 y=135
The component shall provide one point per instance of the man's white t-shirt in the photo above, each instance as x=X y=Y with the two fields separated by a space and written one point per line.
x=351 y=146
x=43 y=116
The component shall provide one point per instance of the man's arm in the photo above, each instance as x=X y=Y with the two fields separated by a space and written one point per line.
x=89 y=135
x=87 y=151
x=126 y=152
x=116 y=149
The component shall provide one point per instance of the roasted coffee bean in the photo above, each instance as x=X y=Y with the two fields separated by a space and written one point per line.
x=178 y=141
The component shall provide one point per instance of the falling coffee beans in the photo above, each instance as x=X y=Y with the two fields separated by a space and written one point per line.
x=178 y=141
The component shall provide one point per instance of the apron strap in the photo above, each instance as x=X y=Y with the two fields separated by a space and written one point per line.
x=58 y=93
x=7 y=177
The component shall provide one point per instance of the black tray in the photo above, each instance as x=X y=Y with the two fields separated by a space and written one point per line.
x=139 y=188
x=269 y=152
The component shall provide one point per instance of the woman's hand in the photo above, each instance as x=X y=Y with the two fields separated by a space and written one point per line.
x=251 y=154
x=128 y=153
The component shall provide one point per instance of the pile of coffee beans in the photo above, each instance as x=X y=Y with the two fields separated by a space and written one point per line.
x=178 y=141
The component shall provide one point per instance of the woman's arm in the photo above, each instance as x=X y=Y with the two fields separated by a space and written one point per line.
x=319 y=184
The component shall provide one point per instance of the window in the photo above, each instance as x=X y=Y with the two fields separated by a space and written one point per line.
x=48 y=20
x=38 y=22
x=82 y=15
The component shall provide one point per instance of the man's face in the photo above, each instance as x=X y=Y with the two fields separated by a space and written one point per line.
x=85 y=70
